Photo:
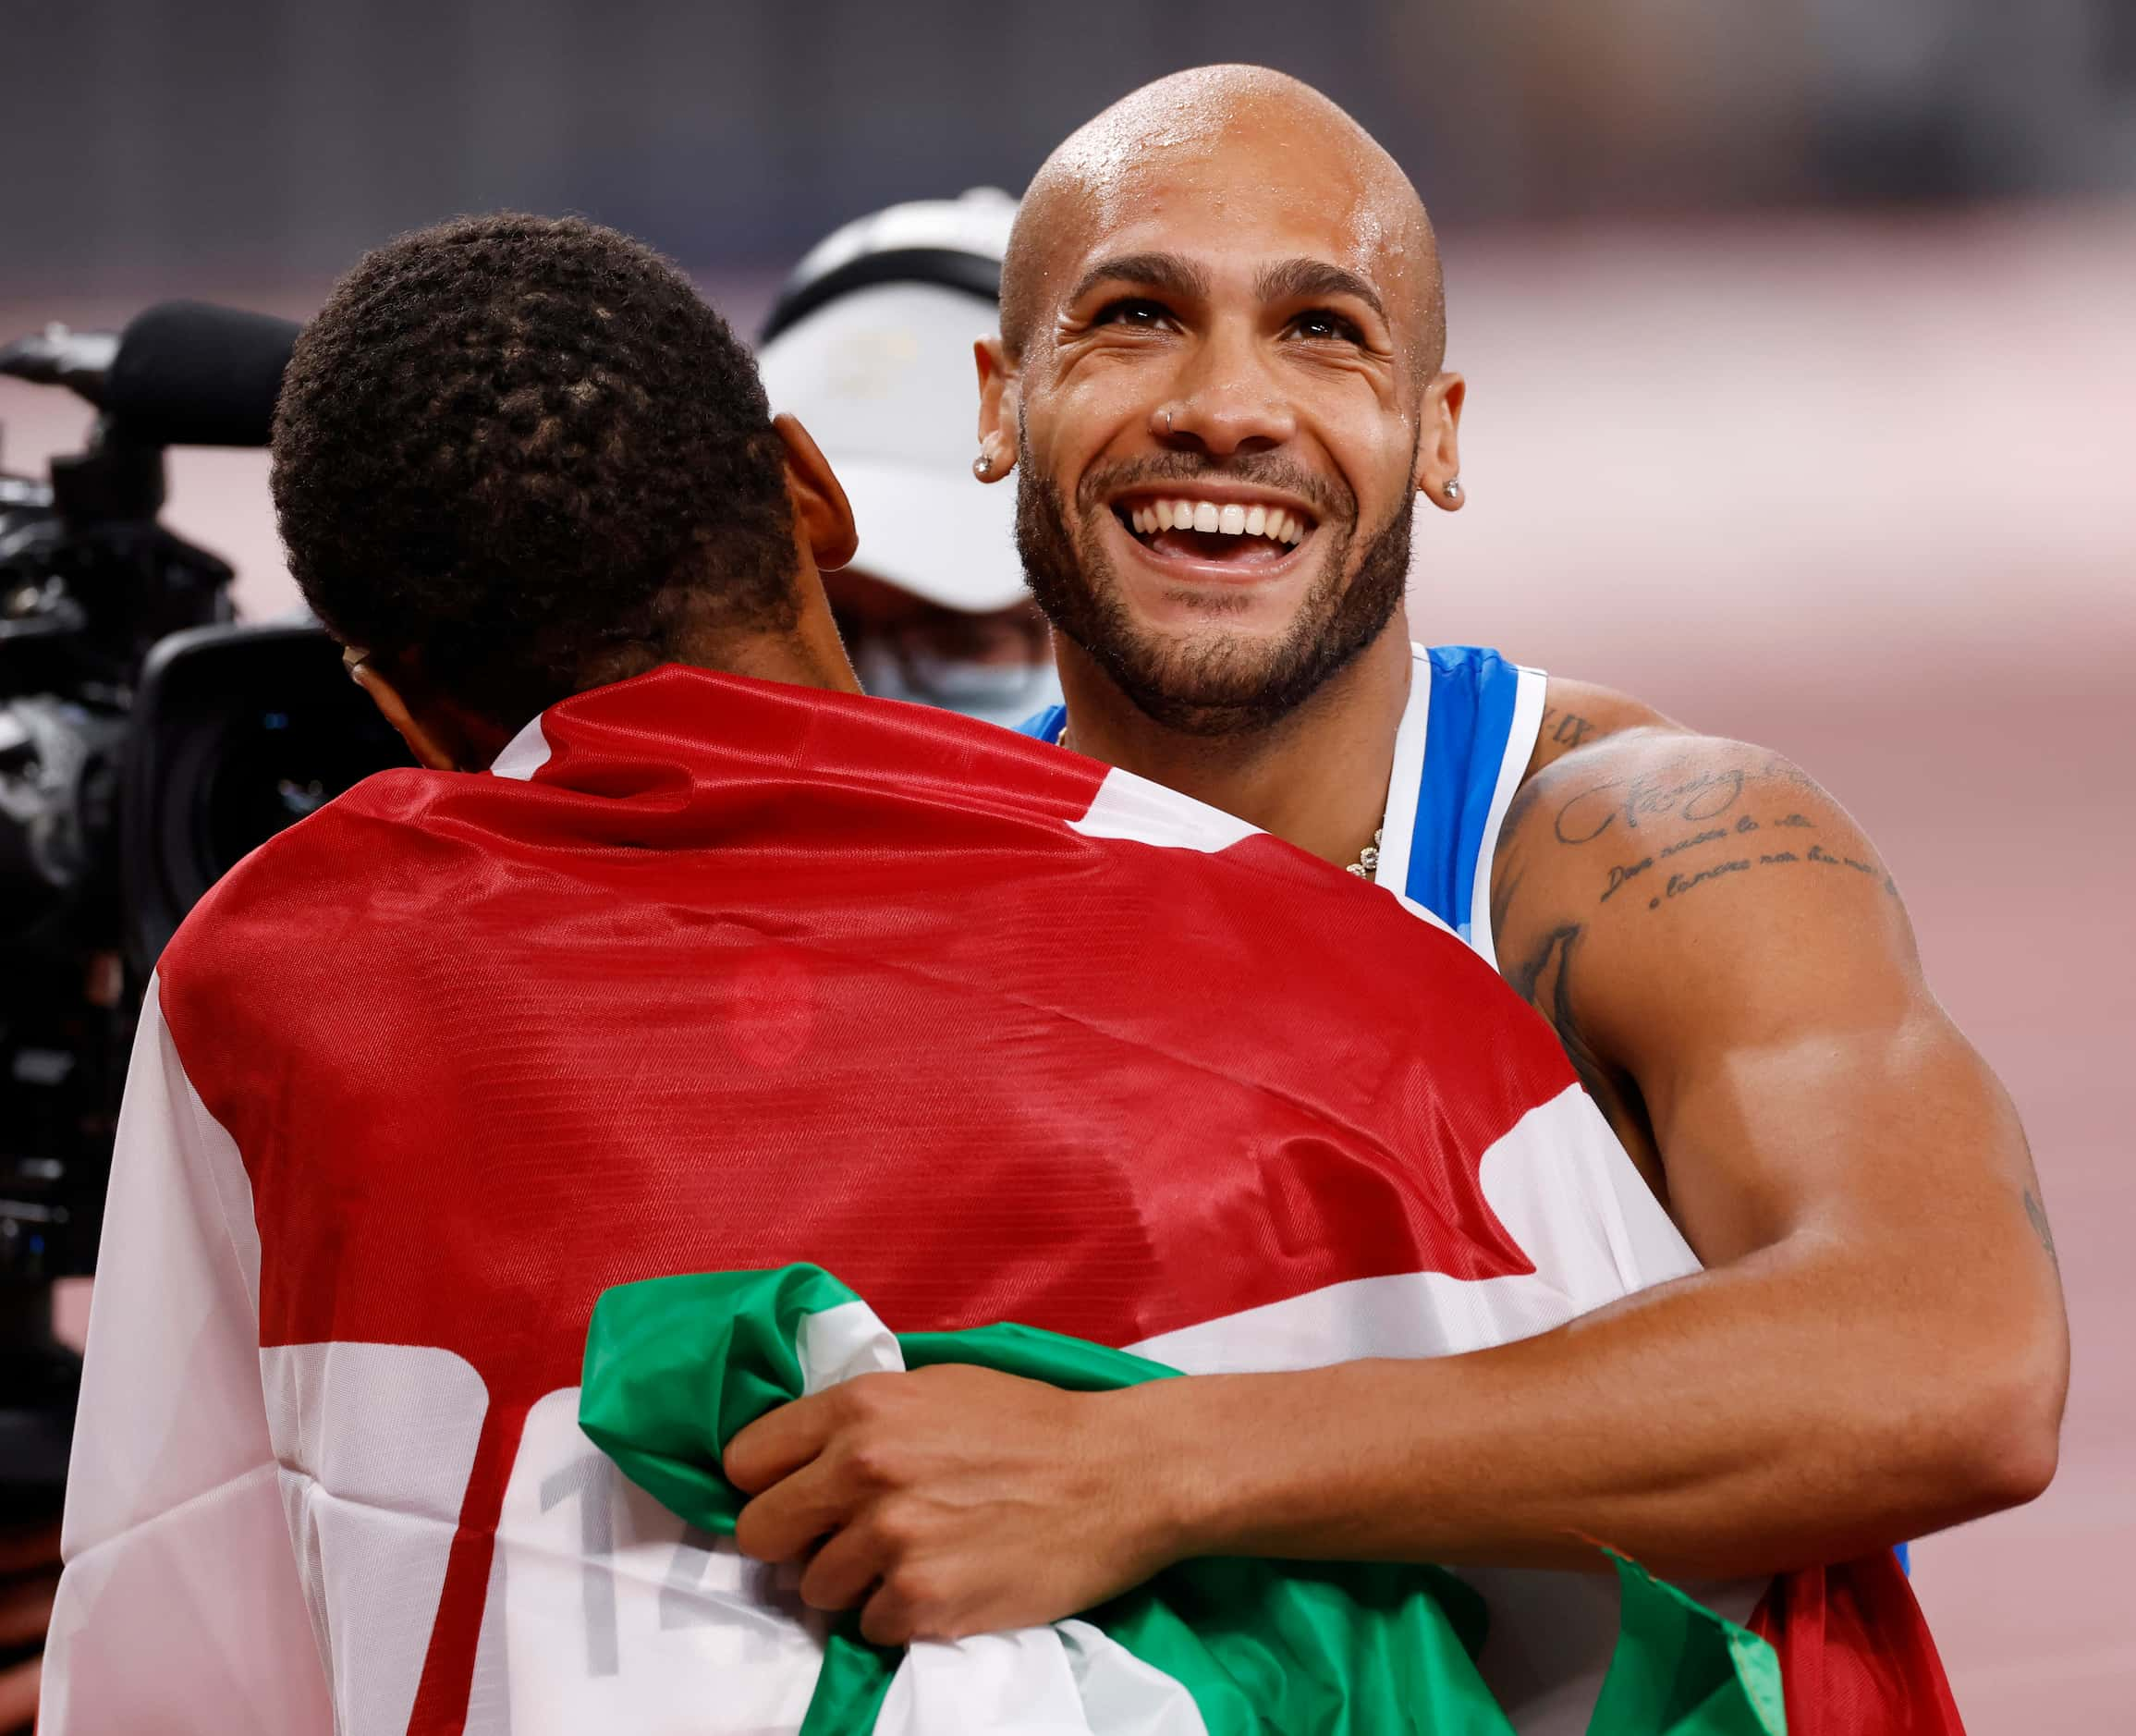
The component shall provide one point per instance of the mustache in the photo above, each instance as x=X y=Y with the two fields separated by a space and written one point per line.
x=1253 y=470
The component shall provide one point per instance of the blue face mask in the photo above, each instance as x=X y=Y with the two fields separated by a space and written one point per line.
x=1004 y=693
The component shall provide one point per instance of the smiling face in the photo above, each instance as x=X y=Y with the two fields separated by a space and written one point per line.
x=1220 y=383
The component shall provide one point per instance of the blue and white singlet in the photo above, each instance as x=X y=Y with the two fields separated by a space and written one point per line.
x=1465 y=740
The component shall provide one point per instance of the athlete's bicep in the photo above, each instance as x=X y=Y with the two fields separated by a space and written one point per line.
x=1734 y=964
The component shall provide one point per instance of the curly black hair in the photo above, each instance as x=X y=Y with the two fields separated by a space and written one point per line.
x=524 y=450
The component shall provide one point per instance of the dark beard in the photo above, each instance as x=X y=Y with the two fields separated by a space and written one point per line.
x=1210 y=686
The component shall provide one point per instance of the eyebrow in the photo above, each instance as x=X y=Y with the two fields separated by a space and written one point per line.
x=1166 y=272
x=1297 y=279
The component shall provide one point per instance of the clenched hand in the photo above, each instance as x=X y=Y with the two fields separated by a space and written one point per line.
x=951 y=1500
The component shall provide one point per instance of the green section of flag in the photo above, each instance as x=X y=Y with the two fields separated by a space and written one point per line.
x=675 y=1367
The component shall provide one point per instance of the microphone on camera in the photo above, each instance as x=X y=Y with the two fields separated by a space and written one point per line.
x=189 y=374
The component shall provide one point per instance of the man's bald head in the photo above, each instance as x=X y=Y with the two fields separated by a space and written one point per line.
x=1218 y=386
x=1228 y=135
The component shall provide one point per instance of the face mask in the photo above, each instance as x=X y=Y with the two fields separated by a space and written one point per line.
x=1004 y=693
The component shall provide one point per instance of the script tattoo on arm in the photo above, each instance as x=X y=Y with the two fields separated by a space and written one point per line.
x=1640 y=825
x=1709 y=802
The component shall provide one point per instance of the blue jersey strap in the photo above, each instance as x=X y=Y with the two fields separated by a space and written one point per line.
x=1463 y=745
x=1464 y=741
x=1045 y=725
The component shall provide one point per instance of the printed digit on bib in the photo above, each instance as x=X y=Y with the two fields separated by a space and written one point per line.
x=608 y=1612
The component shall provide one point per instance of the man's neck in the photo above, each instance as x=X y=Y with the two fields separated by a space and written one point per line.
x=1318 y=778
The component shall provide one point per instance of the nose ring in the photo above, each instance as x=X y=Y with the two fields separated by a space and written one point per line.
x=1168 y=424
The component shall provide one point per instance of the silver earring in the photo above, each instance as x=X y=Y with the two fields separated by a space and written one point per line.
x=982 y=467
x=1452 y=490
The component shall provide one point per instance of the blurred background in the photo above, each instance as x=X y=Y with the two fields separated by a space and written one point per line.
x=1803 y=377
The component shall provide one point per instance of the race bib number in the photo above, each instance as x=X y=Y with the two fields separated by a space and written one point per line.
x=607 y=1612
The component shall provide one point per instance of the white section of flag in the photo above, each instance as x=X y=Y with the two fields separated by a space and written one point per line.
x=374 y=1443
x=180 y=1609
x=1563 y=1188
x=606 y=1613
x=1141 y=812
x=184 y=1607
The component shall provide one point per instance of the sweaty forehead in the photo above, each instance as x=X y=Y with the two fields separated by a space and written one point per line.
x=1236 y=158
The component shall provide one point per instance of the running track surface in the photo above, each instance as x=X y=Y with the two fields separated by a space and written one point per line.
x=1853 y=492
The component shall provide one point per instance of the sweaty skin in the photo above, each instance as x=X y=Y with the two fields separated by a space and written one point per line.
x=1223 y=285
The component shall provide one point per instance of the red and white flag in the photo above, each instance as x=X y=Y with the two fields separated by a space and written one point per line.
x=713 y=975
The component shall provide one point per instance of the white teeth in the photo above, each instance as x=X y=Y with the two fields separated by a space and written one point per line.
x=1207 y=516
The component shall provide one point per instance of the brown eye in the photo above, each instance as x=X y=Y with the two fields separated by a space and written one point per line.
x=1325 y=325
x=1137 y=313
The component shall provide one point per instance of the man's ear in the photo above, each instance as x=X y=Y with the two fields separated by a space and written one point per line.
x=426 y=746
x=822 y=512
x=1439 y=442
x=1000 y=404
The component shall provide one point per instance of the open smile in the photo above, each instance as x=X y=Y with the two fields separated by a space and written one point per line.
x=1223 y=534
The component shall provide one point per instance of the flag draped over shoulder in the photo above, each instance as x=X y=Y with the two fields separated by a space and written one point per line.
x=675 y=1367
x=715 y=975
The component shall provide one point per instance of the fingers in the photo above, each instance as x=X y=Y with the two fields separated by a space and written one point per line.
x=784 y=1521
x=846 y=1568
x=910 y=1604
x=779 y=1442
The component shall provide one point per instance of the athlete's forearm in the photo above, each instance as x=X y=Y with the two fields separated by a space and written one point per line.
x=1796 y=1407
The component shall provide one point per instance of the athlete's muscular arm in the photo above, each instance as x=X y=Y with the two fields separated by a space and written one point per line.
x=1876 y=1351
x=1880 y=1341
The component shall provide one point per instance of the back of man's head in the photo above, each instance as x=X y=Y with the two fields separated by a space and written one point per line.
x=521 y=455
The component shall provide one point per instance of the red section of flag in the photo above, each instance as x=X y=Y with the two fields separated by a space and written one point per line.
x=750 y=974
x=1856 y=1658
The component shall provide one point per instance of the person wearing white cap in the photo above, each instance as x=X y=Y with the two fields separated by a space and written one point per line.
x=870 y=345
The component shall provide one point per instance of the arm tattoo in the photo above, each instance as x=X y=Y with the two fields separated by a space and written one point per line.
x=2037 y=1215
x=1746 y=859
x=1567 y=729
x=1699 y=799
x=1545 y=981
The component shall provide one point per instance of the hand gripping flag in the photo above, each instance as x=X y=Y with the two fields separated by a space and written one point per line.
x=714 y=975
x=676 y=1366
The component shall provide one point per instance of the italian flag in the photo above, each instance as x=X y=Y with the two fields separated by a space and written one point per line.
x=710 y=974
x=675 y=1367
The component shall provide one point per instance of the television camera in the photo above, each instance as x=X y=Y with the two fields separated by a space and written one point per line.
x=147 y=741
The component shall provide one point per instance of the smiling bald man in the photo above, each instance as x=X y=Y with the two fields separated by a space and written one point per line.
x=1219 y=382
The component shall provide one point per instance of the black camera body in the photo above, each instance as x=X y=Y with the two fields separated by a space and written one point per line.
x=147 y=742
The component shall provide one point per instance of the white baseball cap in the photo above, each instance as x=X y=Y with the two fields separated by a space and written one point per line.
x=870 y=345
